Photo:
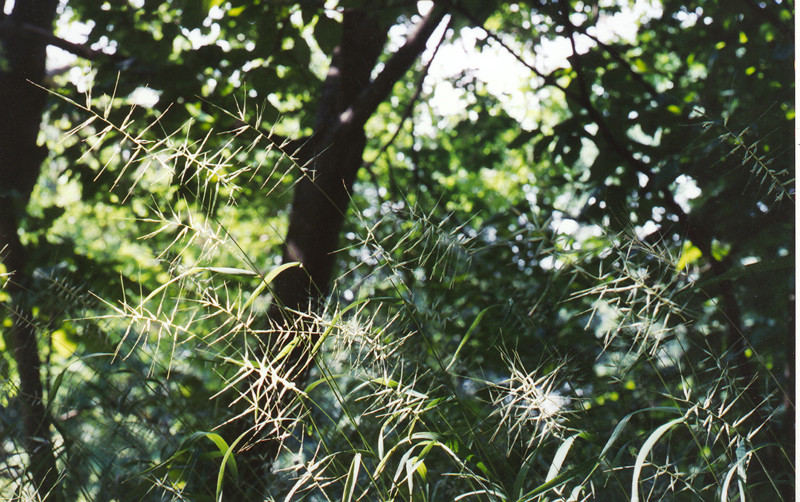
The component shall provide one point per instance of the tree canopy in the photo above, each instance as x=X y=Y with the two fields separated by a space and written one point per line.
x=392 y=249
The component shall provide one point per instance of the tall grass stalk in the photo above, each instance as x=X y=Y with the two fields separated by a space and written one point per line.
x=391 y=409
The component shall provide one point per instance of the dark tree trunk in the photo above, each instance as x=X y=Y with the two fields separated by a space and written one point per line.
x=334 y=154
x=23 y=64
x=331 y=160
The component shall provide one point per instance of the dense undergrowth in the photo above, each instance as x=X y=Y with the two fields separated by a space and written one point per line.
x=504 y=360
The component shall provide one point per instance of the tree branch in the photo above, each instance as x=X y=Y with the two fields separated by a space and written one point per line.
x=378 y=90
x=10 y=29
x=698 y=234
x=407 y=112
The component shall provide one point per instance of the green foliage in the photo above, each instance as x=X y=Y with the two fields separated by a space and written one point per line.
x=600 y=306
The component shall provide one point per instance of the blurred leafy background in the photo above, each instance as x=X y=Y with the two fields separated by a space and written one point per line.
x=565 y=270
